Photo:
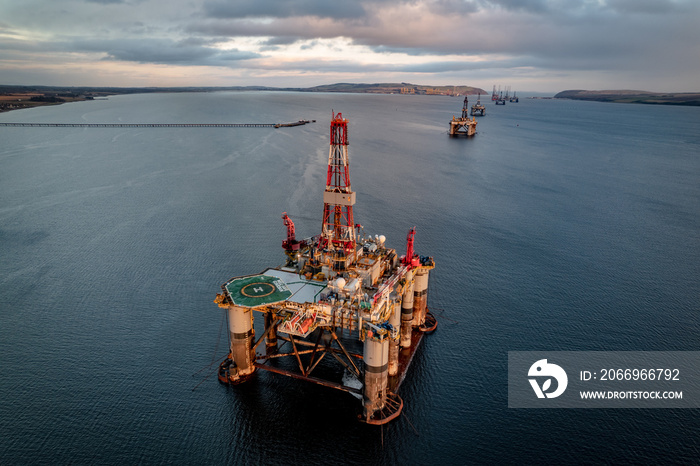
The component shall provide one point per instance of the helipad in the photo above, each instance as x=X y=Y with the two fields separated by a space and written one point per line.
x=273 y=286
x=257 y=290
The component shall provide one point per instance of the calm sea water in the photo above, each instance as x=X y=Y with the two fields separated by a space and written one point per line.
x=562 y=225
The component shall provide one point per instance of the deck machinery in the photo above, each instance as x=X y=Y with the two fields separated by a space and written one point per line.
x=340 y=294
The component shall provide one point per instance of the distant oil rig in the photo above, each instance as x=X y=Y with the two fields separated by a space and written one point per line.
x=463 y=125
x=477 y=108
x=340 y=294
x=501 y=99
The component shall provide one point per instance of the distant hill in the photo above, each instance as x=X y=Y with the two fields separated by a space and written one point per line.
x=379 y=88
x=633 y=96
x=396 y=88
x=17 y=97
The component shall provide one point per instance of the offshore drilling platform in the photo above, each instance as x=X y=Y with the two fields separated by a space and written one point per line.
x=463 y=125
x=340 y=294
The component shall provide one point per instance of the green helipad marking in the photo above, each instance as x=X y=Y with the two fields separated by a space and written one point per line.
x=257 y=290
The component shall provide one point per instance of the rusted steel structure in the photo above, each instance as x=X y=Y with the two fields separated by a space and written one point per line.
x=463 y=126
x=345 y=311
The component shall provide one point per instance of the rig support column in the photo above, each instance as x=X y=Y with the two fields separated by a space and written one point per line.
x=420 y=296
x=240 y=321
x=395 y=321
x=376 y=358
x=271 y=336
x=407 y=312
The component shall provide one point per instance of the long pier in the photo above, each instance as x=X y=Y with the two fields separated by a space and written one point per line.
x=159 y=125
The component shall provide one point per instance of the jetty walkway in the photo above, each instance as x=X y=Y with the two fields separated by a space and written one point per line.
x=161 y=125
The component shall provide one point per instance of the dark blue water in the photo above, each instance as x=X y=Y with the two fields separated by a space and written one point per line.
x=561 y=226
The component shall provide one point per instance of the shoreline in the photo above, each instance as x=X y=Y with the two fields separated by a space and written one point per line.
x=24 y=100
x=20 y=97
x=689 y=99
x=23 y=97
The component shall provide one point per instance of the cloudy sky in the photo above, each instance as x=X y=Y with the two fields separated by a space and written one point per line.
x=530 y=45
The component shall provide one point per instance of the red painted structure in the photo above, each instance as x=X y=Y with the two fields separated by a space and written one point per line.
x=291 y=243
x=338 y=232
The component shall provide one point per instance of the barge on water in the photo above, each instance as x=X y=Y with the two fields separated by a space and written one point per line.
x=342 y=297
x=294 y=123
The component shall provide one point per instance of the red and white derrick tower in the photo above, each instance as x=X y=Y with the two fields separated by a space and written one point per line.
x=338 y=229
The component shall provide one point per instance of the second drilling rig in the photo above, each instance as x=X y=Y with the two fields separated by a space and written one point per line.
x=345 y=311
x=463 y=125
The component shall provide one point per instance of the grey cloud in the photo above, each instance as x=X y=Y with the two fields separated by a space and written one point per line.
x=281 y=40
x=441 y=67
x=309 y=46
x=18 y=47
x=353 y=67
x=161 y=51
x=274 y=43
x=410 y=51
x=105 y=1
x=284 y=8
x=459 y=7
x=555 y=27
x=510 y=63
x=643 y=6
x=281 y=31
x=6 y=31
x=590 y=38
x=325 y=66
x=200 y=41
x=534 y=6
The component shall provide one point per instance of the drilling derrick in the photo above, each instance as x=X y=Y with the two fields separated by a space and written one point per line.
x=338 y=231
